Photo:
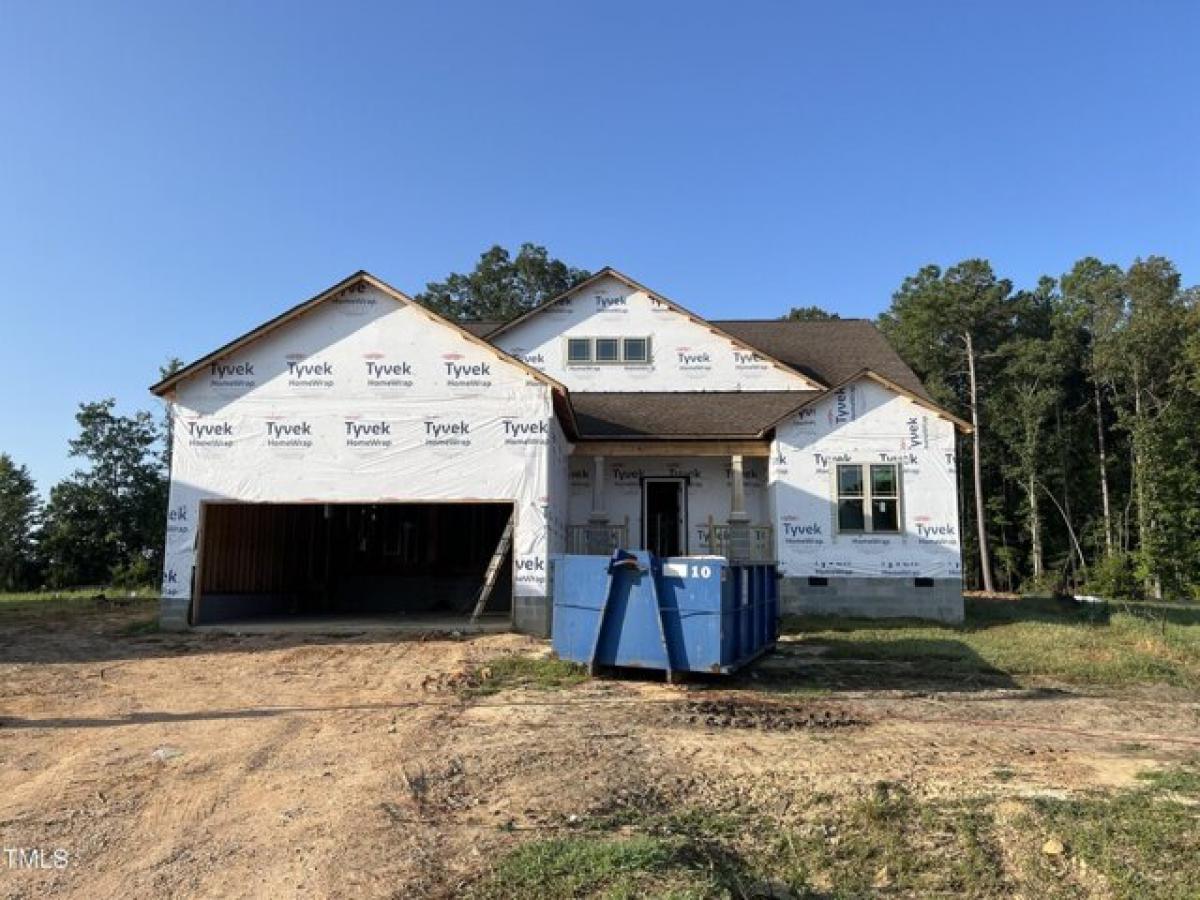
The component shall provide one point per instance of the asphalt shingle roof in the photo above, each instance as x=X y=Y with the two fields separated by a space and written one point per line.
x=694 y=414
x=830 y=351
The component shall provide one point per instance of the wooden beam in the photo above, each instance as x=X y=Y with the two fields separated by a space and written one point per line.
x=673 y=448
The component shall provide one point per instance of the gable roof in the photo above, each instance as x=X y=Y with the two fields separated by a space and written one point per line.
x=712 y=414
x=961 y=424
x=610 y=272
x=831 y=351
x=361 y=276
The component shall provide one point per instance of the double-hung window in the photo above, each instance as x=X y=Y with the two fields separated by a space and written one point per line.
x=868 y=498
x=583 y=351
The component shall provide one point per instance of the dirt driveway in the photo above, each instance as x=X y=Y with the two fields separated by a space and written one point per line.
x=226 y=766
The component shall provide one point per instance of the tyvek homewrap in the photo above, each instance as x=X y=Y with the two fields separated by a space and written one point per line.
x=685 y=355
x=365 y=399
x=864 y=422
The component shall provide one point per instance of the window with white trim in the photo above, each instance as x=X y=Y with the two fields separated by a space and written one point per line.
x=579 y=350
x=868 y=498
x=583 y=351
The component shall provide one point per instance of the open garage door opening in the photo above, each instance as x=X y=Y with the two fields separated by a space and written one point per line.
x=422 y=564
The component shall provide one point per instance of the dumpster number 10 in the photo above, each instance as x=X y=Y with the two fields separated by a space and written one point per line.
x=701 y=571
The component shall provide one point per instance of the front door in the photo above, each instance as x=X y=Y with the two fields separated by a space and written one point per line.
x=664 y=516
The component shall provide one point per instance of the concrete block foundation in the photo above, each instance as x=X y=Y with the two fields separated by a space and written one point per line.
x=173 y=613
x=939 y=599
x=531 y=615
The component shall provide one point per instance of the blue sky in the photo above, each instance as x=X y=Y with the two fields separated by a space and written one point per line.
x=173 y=174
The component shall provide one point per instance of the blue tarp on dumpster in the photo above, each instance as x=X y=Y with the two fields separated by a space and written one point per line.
x=694 y=614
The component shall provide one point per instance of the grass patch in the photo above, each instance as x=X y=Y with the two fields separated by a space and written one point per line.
x=1029 y=639
x=887 y=841
x=46 y=604
x=508 y=672
x=1142 y=842
x=611 y=868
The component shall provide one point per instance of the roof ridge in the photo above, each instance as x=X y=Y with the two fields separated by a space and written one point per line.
x=802 y=321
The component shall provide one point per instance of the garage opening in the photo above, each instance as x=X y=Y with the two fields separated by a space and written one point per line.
x=393 y=563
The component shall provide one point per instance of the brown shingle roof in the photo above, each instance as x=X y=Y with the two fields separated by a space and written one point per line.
x=830 y=351
x=479 y=327
x=733 y=414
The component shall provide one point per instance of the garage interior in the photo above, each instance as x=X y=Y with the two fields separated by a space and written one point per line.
x=419 y=564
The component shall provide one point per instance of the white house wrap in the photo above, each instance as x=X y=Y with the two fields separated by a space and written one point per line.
x=365 y=399
x=360 y=452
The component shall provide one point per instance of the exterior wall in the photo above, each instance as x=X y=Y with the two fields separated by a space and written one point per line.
x=363 y=399
x=532 y=612
x=685 y=355
x=709 y=491
x=868 y=574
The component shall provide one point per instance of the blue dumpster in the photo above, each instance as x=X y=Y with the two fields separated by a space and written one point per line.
x=678 y=614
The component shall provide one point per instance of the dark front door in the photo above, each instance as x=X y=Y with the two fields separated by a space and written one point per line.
x=663 y=516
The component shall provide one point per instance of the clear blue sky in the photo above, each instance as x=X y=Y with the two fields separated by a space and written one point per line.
x=172 y=174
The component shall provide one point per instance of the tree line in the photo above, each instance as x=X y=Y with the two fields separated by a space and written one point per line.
x=1082 y=470
x=102 y=525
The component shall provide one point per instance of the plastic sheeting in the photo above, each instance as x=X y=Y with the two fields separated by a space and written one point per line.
x=366 y=399
x=685 y=355
x=865 y=422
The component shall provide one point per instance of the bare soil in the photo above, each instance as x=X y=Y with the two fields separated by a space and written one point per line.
x=355 y=766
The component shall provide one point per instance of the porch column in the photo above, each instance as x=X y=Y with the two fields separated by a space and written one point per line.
x=737 y=504
x=598 y=514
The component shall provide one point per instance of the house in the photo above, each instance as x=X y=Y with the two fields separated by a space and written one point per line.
x=361 y=455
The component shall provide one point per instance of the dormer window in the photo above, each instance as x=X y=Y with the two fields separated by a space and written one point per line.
x=608 y=350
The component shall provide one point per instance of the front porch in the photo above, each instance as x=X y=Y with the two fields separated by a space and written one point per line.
x=674 y=498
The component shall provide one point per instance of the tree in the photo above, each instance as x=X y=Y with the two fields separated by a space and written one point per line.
x=172 y=365
x=19 y=509
x=1092 y=302
x=1143 y=361
x=106 y=522
x=1029 y=388
x=501 y=287
x=809 y=314
x=948 y=325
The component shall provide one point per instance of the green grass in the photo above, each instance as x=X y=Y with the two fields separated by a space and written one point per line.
x=508 y=672
x=608 y=867
x=1141 y=842
x=76 y=600
x=1027 y=640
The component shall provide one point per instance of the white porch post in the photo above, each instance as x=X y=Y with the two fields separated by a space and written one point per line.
x=598 y=514
x=737 y=503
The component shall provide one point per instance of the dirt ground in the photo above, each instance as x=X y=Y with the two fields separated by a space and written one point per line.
x=276 y=766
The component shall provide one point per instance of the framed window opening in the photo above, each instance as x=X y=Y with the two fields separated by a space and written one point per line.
x=583 y=351
x=868 y=498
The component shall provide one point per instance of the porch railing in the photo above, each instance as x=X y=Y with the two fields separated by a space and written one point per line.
x=738 y=543
x=597 y=539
